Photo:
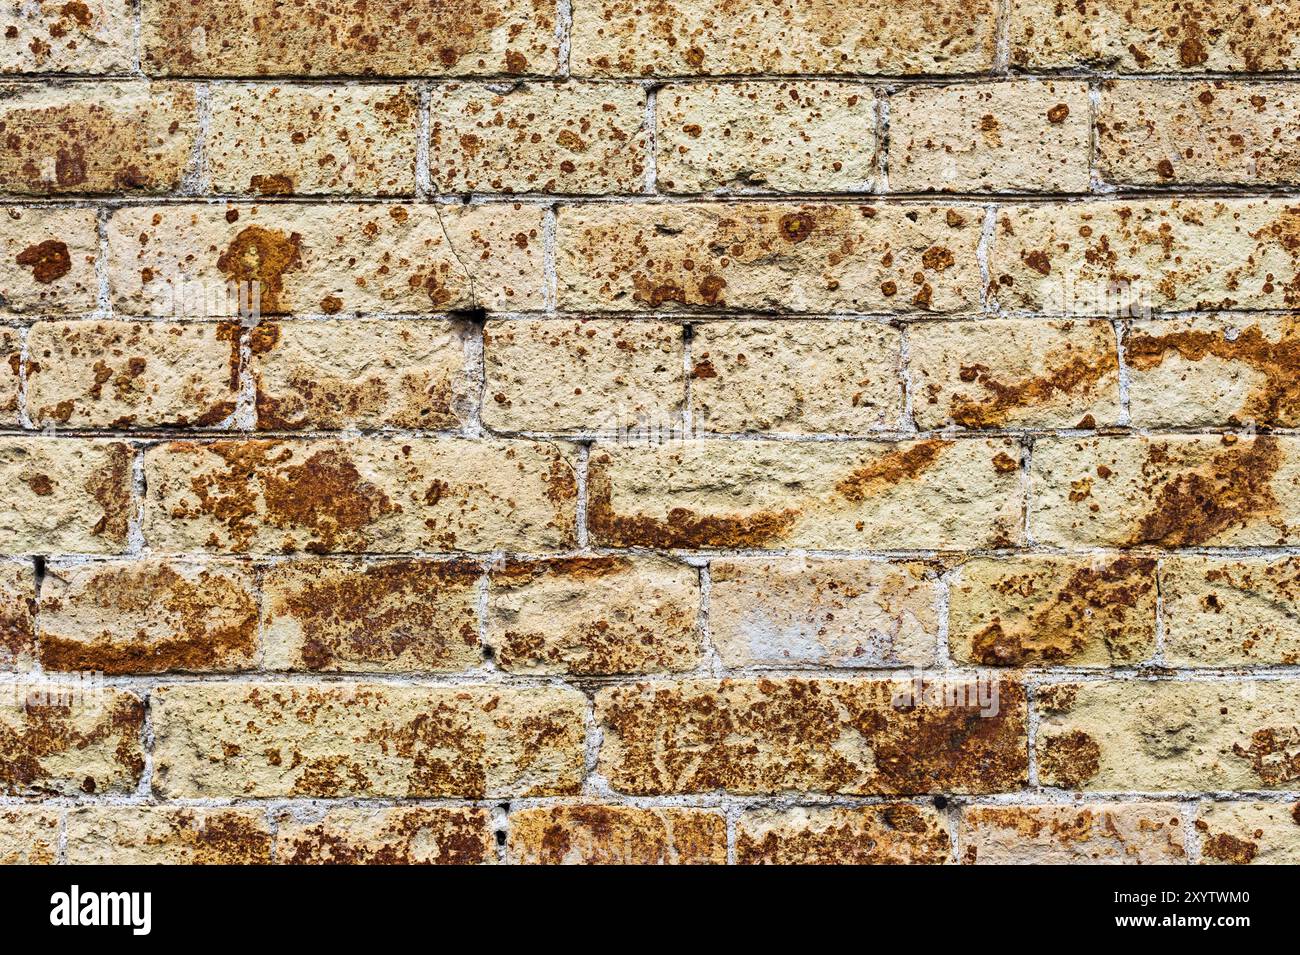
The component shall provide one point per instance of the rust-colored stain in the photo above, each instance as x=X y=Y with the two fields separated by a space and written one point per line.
x=1273 y=753
x=48 y=260
x=111 y=490
x=459 y=837
x=44 y=730
x=262 y=256
x=1069 y=759
x=890 y=468
x=1223 y=847
x=1076 y=373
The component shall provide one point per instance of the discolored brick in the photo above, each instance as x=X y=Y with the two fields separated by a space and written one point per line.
x=82 y=36
x=1230 y=611
x=64 y=495
x=1090 y=834
x=11 y=361
x=895 y=834
x=400 y=835
x=47 y=260
x=501 y=244
x=1246 y=833
x=154 y=835
x=17 y=615
x=29 y=835
x=616 y=835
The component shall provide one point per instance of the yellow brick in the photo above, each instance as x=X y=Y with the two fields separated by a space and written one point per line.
x=898 y=834
x=47 y=260
x=29 y=836
x=1244 y=833
x=10 y=374
x=64 y=495
x=163 y=835
x=1091 y=834
x=88 y=36
x=1230 y=611
x=401 y=835
x=617 y=835
x=17 y=615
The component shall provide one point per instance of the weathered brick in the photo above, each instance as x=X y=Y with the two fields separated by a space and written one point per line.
x=401 y=835
x=96 y=138
x=1091 y=834
x=147 y=616
x=381 y=37
x=153 y=835
x=1161 y=36
x=1167 y=735
x=685 y=37
x=1123 y=258
x=111 y=374
x=363 y=495
x=570 y=138
x=68 y=495
x=1215 y=371
x=769 y=257
x=822 y=495
x=67 y=739
x=501 y=246
x=1242 y=833
x=357 y=373
x=47 y=260
x=1158 y=133
x=17 y=615
x=617 y=835
x=1230 y=611
x=814 y=736
x=796 y=377
x=899 y=834
x=306 y=140
x=29 y=835
x=1042 y=611
x=395 y=615
x=11 y=360
x=1024 y=135
x=599 y=374
x=800 y=611
x=1014 y=373
x=1171 y=491
x=594 y=615
x=801 y=136
x=291 y=739
x=85 y=36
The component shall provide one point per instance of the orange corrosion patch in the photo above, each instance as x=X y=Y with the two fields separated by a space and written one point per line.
x=1071 y=759
x=1076 y=374
x=262 y=256
x=894 y=467
x=48 y=260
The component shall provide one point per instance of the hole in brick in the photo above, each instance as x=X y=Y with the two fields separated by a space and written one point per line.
x=940 y=802
x=501 y=837
x=688 y=332
x=38 y=565
x=475 y=316
x=488 y=653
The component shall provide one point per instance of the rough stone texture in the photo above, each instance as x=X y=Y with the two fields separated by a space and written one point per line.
x=585 y=375
x=1090 y=834
x=50 y=36
x=10 y=374
x=28 y=836
x=785 y=257
x=401 y=835
x=307 y=140
x=1043 y=611
x=796 y=377
x=1169 y=735
x=1014 y=373
x=65 y=496
x=1246 y=833
x=1022 y=136
x=573 y=138
x=153 y=835
x=359 y=739
x=617 y=835
x=898 y=834
x=17 y=615
x=812 y=612
x=47 y=260
x=1230 y=611
x=148 y=616
x=594 y=615
x=121 y=375
x=780 y=137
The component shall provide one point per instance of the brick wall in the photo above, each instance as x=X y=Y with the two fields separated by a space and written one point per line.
x=691 y=431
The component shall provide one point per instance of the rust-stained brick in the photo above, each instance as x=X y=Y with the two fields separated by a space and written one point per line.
x=147 y=616
x=616 y=835
x=895 y=834
x=864 y=737
x=357 y=739
x=364 y=495
x=17 y=615
x=68 y=495
x=783 y=257
x=153 y=835
x=379 y=37
x=66 y=36
x=96 y=138
x=11 y=361
x=594 y=615
x=1090 y=834
x=398 y=615
x=400 y=835
x=47 y=260
x=1246 y=833
x=704 y=494
x=1230 y=611
x=29 y=835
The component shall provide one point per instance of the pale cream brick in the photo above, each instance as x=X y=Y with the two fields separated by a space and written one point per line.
x=802 y=136
x=1090 y=834
x=765 y=256
x=288 y=139
x=400 y=835
x=96 y=137
x=1230 y=611
x=1169 y=735
x=594 y=615
x=348 y=739
x=820 y=495
x=1171 y=491
x=360 y=495
x=1044 y=611
x=1244 y=833
x=684 y=37
x=587 y=375
x=148 y=616
x=796 y=377
x=800 y=611
x=379 y=37
x=898 y=834
x=165 y=835
x=1014 y=373
x=49 y=36
x=569 y=138
x=11 y=363
x=29 y=835
x=502 y=246
x=17 y=615
x=358 y=373
x=1024 y=135
x=386 y=615
x=47 y=260
x=111 y=374
x=617 y=835
x=64 y=495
